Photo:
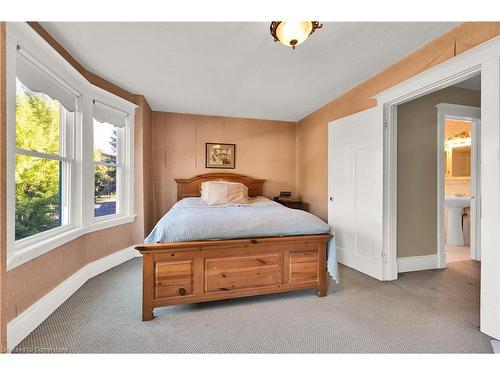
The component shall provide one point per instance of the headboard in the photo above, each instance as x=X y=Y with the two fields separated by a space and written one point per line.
x=191 y=187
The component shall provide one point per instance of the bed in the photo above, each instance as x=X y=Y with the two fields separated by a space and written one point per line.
x=200 y=253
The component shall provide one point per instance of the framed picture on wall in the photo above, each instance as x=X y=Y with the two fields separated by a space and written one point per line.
x=220 y=155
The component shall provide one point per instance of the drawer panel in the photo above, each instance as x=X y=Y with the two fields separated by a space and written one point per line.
x=224 y=274
x=303 y=266
x=173 y=279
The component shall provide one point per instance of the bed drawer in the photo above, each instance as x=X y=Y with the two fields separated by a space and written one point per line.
x=242 y=272
x=173 y=279
x=303 y=266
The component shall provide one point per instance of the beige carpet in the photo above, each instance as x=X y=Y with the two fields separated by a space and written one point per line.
x=427 y=311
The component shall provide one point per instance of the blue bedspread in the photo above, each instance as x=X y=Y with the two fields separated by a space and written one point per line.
x=191 y=219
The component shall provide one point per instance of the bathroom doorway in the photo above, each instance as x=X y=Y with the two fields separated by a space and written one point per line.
x=410 y=219
x=458 y=183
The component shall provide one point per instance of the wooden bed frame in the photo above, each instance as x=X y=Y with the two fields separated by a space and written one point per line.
x=196 y=271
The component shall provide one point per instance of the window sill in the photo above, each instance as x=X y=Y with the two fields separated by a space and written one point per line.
x=104 y=223
x=31 y=250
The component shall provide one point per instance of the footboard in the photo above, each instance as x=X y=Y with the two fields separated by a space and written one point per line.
x=187 y=272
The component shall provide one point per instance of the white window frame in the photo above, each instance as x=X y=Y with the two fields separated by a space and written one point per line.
x=66 y=155
x=124 y=161
x=80 y=199
x=120 y=175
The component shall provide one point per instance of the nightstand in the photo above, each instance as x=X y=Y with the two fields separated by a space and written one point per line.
x=291 y=203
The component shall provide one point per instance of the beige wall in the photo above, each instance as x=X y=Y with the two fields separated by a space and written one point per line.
x=147 y=170
x=264 y=149
x=417 y=169
x=312 y=173
x=142 y=164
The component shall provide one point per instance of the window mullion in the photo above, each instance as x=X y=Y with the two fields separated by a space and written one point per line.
x=41 y=155
x=100 y=162
x=67 y=134
x=88 y=177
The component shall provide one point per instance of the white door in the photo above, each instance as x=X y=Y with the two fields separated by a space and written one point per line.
x=355 y=183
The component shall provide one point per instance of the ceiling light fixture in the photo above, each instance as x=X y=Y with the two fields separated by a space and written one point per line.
x=293 y=33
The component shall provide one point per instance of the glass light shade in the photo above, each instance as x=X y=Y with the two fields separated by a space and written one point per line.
x=457 y=142
x=293 y=33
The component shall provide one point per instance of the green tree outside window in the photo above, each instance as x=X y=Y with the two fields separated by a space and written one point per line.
x=37 y=179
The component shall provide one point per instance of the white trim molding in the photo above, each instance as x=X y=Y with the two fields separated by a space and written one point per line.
x=490 y=197
x=417 y=263
x=25 y=323
x=483 y=59
x=459 y=111
x=449 y=72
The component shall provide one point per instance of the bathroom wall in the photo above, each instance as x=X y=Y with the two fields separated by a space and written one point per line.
x=417 y=169
x=453 y=127
x=456 y=186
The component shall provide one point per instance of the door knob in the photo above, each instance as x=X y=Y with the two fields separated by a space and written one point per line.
x=331 y=199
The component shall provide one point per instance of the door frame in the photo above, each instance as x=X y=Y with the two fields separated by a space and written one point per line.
x=472 y=115
x=483 y=59
x=391 y=148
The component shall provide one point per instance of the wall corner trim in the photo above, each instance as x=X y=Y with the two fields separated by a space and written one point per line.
x=25 y=323
x=417 y=263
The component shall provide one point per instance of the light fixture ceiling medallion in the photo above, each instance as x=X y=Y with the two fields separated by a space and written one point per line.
x=293 y=33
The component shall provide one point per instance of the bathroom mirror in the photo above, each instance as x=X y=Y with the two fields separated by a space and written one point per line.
x=460 y=161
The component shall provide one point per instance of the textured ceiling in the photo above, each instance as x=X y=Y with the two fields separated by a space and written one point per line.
x=235 y=68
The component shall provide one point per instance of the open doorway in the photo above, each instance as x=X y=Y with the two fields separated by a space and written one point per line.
x=435 y=154
x=458 y=190
x=483 y=60
x=438 y=180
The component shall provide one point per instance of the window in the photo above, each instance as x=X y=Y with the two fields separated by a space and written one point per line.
x=43 y=159
x=108 y=168
x=70 y=151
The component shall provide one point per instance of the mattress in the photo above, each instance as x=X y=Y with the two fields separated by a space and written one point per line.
x=191 y=219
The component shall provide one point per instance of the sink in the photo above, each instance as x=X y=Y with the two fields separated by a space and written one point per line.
x=455 y=206
x=456 y=201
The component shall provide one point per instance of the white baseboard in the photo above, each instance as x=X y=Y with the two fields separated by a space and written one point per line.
x=28 y=320
x=417 y=263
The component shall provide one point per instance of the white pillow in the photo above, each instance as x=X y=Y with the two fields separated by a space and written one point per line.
x=223 y=192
